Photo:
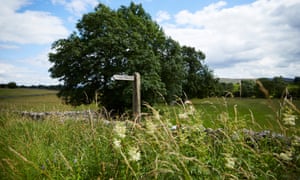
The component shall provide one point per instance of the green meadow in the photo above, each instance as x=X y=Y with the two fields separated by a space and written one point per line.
x=171 y=142
x=257 y=114
x=36 y=100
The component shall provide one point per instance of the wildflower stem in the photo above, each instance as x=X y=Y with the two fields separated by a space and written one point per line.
x=128 y=164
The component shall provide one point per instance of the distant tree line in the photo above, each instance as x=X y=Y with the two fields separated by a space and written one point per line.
x=276 y=87
x=10 y=85
x=13 y=85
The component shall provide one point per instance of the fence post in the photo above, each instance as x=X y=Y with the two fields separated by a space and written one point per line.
x=137 y=97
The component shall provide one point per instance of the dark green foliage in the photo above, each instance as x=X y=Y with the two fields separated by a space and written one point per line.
x=279 y=87
x=125 y=41
x=294 y=91
x=12 y=85
x=172 y=72
x=199 y=80
x=297 y=80
x=224 y=89
x=275 y=87
x=248 y=88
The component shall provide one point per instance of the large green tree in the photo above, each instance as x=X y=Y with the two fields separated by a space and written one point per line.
x=124 y=41
x=199 y=81
x=172 y=73
x=109 y=42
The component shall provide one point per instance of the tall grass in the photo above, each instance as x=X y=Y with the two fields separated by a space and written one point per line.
x=169 y=143
x=258 y=114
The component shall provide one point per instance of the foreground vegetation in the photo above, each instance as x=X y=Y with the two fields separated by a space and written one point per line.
x=172 y=142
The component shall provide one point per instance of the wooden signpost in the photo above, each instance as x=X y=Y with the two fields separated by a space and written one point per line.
x=136 y=97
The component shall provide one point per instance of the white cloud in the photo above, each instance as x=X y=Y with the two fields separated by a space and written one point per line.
x=76 y=7
x=36 y=27
x=257 y=39
x=8 y=46
x=11 y=73
x=265 y=67
x=32 y=70
x=22 y=75
x=12 y=5
x=162 y=16
x=39 y=60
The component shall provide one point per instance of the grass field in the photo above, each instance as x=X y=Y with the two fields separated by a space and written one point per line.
x=96 y=149
x=264 y=112
x=6 y=92
x=257 y=114
x=37 y=100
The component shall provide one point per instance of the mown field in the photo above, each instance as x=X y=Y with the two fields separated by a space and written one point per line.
x=214 y=138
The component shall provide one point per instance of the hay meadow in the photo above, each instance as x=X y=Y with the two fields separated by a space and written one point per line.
x=213 y=138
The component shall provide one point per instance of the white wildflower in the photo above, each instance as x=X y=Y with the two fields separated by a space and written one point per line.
x=191 y=110
x=150 y=127
x=120 y=129
x=296 y=141
x=289 y=119
x=230 y=161
x=117 y=143
x=235 y=136
x=286 y=156
x=183 y=116
x=134 y=154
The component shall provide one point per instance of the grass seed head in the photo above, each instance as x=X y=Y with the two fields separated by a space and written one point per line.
x=150 y=127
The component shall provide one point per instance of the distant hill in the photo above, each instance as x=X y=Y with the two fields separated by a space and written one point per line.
x=233 y=80
x=289 y=80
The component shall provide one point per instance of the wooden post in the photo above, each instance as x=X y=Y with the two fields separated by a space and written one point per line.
x=240 y=88
x=136 y=103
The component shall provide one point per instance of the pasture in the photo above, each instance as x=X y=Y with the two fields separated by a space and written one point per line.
x=213 y=138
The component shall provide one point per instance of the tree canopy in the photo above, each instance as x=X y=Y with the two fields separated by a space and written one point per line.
x=125 y=41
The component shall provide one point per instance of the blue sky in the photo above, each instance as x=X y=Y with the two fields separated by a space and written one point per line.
x=241 y=38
